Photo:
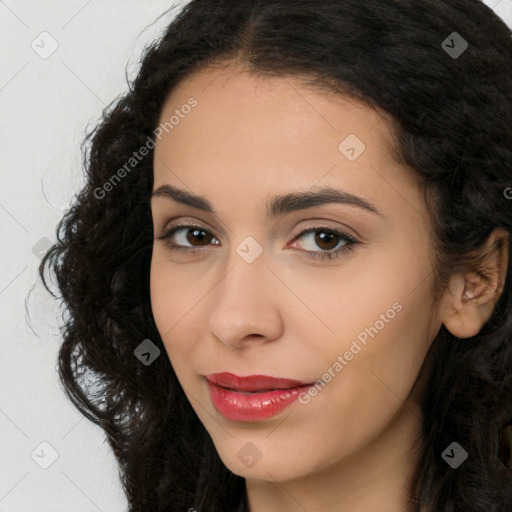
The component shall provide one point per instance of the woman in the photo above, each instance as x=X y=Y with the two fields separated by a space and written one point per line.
x=288 y=274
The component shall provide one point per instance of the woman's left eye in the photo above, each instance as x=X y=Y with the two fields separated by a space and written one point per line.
x=328 y=238
x=323 y=237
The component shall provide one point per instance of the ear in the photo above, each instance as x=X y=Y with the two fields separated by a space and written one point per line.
x=469 y=300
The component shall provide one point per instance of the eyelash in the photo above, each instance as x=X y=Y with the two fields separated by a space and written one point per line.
x=316 y=255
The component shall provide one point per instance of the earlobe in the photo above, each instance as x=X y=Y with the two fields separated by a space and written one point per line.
x=469 y=319
x=465 y=314
x=469 y=301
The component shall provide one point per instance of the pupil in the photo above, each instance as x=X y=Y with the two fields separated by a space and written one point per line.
x=321 y=239
x=194 y=233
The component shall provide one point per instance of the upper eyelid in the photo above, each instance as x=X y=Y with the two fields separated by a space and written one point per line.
x=185 y=222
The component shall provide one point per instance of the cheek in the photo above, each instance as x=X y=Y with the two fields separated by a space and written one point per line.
x=365 y=300
x=167 y=309
x=370 y=388
x=393 y=343
x=377 y=320
x=396 y=352
x=161 y=299
x=175 y=299
x=172 y=293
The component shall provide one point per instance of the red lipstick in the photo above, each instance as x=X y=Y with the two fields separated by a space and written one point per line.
x=254 y=397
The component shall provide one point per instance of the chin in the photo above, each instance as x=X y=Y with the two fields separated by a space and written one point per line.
x=251 y=462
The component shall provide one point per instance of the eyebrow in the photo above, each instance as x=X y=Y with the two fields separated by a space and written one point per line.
x=279 y=205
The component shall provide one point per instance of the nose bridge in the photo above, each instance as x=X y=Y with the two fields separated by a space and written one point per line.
x=246 y=277
x=243 y=304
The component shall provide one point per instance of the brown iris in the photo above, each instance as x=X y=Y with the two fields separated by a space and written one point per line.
x=325 y=237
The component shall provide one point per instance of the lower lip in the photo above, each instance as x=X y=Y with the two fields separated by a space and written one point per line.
x=237 y=406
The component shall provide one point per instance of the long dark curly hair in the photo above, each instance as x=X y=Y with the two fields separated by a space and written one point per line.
x=452 y=125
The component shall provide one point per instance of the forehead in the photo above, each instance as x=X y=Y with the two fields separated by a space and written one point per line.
x=272 y=104
x=271 y=132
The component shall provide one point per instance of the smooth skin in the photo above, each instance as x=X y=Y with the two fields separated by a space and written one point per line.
x=353 y=446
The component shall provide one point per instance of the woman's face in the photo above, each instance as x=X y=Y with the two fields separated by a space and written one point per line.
x=249 y=297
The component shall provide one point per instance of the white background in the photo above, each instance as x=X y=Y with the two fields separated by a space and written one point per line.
x=46 y=104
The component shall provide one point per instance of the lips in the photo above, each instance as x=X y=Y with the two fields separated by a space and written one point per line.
x=252 y=398
x=253 y=383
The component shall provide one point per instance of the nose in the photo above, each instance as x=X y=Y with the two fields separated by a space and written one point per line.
x=246 y=305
